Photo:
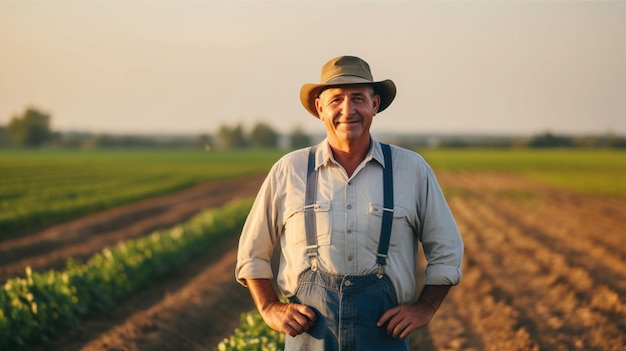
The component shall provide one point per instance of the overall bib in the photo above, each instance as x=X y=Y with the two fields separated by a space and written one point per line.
x=347 y=306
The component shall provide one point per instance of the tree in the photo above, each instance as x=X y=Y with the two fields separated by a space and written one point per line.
x=299 y=139
x=263 y=136
x=206 y=141
x=5 y=140
x=231 y=138
x=550 y=140
x=30 y=129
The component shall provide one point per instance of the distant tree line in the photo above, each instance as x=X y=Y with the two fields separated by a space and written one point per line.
x=551 y=140
x=543 y=140
x=261 y=135
x=32 y=129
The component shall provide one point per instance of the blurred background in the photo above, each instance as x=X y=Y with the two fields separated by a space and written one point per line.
x=119 y=119
x=188 y=68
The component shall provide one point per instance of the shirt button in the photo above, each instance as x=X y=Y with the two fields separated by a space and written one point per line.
x=350 y=258
x=349 y=207
x=349 y=231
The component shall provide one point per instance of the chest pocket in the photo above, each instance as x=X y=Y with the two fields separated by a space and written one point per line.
x=399 y=228
x=294 y=225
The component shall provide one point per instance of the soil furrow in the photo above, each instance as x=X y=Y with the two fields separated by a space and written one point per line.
x=194 y=309
x=50 y=248
x=501 y=322
x=603 y=268
x=545 y=220
x=527 y=282
x=453 y=328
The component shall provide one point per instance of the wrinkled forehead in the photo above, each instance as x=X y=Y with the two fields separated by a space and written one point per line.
x=347 y=89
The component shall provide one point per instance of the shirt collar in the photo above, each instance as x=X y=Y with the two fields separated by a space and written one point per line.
x=376 y=152
x=324 y=156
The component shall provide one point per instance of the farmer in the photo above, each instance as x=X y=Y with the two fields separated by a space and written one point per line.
x=348 y=214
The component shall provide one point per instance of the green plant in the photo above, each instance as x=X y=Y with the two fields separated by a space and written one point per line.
x=253 y=335
x=34 y=308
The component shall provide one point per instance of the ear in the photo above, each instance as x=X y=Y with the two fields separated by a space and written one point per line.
x=376 y=103
x=318 y=107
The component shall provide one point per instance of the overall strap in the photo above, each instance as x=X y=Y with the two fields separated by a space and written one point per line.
x=387 y=216
x=387 y=220
x=309 y=209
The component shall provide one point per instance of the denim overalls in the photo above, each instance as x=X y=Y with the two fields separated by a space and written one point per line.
x=347 y=306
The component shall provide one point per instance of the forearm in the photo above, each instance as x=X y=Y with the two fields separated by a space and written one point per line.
x=433 y=296
x=291 y=319
x=263 y=293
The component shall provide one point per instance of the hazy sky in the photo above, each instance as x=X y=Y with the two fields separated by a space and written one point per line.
x=191 y=66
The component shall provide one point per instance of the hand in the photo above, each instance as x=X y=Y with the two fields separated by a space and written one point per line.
x=291 y=319
x=403 y=319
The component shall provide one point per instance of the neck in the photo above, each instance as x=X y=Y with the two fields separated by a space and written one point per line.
x=350 y=155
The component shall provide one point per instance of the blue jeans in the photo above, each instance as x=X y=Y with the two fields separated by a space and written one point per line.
x=347 y=309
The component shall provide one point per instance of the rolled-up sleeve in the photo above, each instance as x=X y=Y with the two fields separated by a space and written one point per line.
x=440 y=236
x=259 y=236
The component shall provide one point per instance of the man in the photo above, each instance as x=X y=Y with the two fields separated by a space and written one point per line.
x=348 y=214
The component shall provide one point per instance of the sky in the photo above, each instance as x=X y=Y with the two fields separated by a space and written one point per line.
x=189 y=67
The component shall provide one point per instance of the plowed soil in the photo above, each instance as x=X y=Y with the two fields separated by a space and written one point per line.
x=544 y=269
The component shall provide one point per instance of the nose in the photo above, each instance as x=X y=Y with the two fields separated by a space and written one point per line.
x=347 y=107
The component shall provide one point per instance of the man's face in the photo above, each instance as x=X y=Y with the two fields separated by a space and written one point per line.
x=347 y=112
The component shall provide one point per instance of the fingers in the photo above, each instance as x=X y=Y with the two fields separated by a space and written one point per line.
x=387 y=316
x=303 y=320
x=393 y=320
x=401 y=321
x=298 y=319
x=307 y=312
x=293 y=328
x=400 y=330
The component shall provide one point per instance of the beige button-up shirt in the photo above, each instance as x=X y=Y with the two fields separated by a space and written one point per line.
x=348 y=215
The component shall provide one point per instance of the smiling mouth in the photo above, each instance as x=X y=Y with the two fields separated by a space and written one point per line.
x=348 y=122
x=347 y=125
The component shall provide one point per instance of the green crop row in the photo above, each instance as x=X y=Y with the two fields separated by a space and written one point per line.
x=253 y=335
x=34 y=308
x=42 y=187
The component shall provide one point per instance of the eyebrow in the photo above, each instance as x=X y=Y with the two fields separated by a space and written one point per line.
x=351 y=94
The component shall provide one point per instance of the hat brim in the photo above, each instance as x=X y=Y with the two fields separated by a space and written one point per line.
x=309 y=92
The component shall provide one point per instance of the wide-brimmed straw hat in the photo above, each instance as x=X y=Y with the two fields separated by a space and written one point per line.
x=346 y=70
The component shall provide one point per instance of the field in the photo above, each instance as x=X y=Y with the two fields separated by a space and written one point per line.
x=39 y=188
x=598 y=172
x=544 y=267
